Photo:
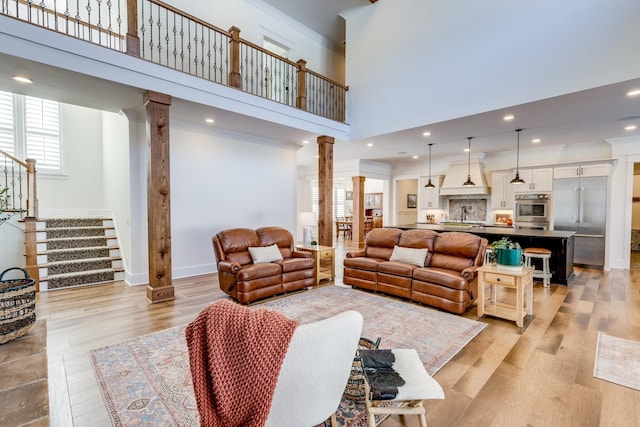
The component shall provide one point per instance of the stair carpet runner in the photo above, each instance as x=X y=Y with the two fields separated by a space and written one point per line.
x=78 y=251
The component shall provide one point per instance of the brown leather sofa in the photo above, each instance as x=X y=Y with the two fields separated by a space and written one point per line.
x=448 y=279
x=245 y=281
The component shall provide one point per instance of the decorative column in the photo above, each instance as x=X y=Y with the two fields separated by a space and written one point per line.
x=235 y=78
x=301 y=100
x=160 y=286
x=325 y=190
x=132 y=40
x=358 y=209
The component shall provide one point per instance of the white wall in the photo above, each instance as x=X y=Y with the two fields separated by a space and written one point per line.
x=78 y=191
x=219 y=180
x=468 y=57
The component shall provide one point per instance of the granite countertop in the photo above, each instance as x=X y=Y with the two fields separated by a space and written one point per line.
x=487 y=229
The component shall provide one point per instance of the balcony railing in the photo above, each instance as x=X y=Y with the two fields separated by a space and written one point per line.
x=160 y=33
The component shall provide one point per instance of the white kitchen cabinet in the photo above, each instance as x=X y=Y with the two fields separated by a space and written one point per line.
x=535 y=181
x=430 y=197
x=502 y=190
x=597 y=169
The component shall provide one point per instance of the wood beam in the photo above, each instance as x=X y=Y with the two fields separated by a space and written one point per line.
x=358 y=209
x=160 y=286
x=325 y=190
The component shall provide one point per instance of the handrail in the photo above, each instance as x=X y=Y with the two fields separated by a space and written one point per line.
x=268 y=52
x=20 y=162
x=320 y=76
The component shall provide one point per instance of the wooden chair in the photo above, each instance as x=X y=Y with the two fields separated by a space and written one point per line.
x=368 y=224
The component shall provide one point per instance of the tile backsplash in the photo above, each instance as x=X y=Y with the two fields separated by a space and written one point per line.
x=476 y=209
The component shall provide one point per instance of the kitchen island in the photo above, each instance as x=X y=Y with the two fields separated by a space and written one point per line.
x=560 y=243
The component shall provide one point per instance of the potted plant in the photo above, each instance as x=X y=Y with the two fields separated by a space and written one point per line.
x=4 y=198
x=506 y=253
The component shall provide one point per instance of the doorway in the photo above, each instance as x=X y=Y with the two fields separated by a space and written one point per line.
x=406 y=201
x=635 y=219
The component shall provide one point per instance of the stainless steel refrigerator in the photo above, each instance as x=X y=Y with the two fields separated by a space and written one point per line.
x=580 y=205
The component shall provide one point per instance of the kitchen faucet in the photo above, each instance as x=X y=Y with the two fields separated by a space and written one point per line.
x=463 y=213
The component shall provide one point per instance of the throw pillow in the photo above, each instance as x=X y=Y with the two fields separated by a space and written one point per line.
x=409 y=255
x=263 y=254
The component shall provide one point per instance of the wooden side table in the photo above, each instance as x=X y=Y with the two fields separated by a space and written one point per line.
x=325 y=260
x=520 y=281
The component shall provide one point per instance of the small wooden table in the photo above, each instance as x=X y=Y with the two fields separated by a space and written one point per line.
x=325 y=260
x=521 y=281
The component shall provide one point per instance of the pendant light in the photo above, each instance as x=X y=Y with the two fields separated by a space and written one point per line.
x=517 y=180
x=429 y=184
x=468 y=182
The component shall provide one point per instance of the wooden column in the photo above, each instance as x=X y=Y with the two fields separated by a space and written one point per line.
x=358 y=209
x=301 y=100
x=160 y=286
x=31 y=249
x=325 y=190
x=133 y=42
x=235 y=78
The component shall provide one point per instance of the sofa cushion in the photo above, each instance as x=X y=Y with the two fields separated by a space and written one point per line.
x=396 y=268
x=381 y=241
x=236 y=242
x=363 y=263
x=262 y=254
x=413 y=256
x=258 y=271
x=440 y=276
x=455 y=250
x=278 y=236
x=296 y=264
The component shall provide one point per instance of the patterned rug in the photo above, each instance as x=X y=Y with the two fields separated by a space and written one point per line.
x=146 y=380
x=617 y=361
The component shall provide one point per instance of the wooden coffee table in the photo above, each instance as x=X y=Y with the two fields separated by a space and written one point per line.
x=520 y=281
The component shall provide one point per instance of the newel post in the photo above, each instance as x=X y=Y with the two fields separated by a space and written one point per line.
x=133 y=42
x=32 y=193
x=235 y=79
x=301 y=101
x=31 y=249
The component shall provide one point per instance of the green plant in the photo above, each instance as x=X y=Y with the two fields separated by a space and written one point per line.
x=504 y=244
x=4 y=198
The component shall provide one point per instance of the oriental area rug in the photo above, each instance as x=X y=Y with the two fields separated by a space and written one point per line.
x=617 y=361
x=147 y=381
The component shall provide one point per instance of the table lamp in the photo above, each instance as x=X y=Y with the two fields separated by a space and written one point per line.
x=306 y=220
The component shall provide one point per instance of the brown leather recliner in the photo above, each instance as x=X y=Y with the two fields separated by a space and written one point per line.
x=448 y=279
x=245 y=281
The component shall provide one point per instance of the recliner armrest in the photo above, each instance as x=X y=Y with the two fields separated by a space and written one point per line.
x=356 y=254
x=301 y=254
x=469 y=273
x=229 y=266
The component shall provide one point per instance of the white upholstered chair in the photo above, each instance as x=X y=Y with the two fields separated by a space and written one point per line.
x=315 y=371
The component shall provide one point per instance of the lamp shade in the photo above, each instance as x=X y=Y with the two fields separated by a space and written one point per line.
x=306 y=219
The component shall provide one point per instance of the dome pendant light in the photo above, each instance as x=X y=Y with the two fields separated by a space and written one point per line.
x=429 y=184
x=517 y=180
x=468 y=182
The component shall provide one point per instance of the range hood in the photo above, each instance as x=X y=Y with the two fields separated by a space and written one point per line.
x=457 y=174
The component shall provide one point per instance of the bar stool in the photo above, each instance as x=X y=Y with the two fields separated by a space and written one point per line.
x=544 y=255
x=397 y=375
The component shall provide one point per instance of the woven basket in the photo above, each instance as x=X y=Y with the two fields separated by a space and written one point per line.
x=17 y=306
x=354 y=390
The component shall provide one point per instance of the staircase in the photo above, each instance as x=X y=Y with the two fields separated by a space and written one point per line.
x=77 y=251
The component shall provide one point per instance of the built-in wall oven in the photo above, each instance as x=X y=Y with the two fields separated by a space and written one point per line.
x=532 y=211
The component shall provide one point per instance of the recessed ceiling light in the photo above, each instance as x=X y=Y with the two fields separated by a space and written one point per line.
x=209 y=120
x=508 y=117
x=305 y=141
x=370 y=144
x=535 y=140
x=630 y=127
x=634 y=92
x=426 y=133
x=317 y=156
x=415 y=156
x=467 y=149
x=22 y=79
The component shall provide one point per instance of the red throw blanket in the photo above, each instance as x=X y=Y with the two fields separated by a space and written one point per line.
x=235 y=355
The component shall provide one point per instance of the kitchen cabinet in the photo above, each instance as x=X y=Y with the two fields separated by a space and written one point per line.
x=373 y=207
x=430 y=197
x=535 y=181
x=598 y=169
x=502 y=190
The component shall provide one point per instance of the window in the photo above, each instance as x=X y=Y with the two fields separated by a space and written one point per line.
x=30 y=128
x=338 y=197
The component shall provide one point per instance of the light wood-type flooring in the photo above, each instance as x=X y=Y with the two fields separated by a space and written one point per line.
x=540 y=375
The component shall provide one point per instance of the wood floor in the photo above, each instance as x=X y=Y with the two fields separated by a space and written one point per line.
x=538 y=376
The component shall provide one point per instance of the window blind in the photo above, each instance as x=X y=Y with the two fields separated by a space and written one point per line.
x=7 y=132
x=42 y=132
